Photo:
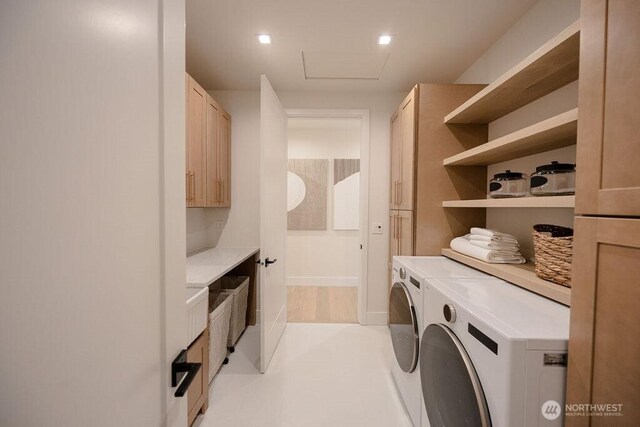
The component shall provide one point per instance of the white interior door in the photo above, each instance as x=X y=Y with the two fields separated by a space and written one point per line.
x=273 y=221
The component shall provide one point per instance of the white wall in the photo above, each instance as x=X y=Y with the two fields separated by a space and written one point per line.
x=204 y=227
x=544 y=20
x=242 y=226
x=324 y=257
x=92 y=259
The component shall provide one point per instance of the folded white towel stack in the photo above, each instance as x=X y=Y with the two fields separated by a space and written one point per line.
x=489 y=246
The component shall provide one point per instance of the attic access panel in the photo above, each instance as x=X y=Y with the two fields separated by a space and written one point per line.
x=344 y=65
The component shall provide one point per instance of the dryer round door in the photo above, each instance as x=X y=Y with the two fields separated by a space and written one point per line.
x=403 y=325
x=451 y=388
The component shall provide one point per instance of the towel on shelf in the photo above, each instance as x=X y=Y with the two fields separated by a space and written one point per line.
x=464 y=246
x=498 y=239
x=478 y=231
x=499 y=246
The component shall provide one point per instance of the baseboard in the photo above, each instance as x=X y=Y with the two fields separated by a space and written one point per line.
x=322 y=281
x=377 y=318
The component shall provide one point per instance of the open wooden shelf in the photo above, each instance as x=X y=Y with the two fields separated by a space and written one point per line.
x=556 y=132
x=522 y=275
x=549 y=68
x=519 y=202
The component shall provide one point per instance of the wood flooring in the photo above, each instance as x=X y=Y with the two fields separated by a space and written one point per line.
x=322 y=304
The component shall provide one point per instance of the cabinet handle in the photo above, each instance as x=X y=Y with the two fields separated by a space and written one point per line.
x=192 y=196
x=193 y=187
x=179 y=367
x=400 y=235
x=399 y=192
x=395 y=227
x=395 y=193
x=188 y=176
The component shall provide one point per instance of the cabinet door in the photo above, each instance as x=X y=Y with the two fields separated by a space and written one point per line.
x=213 y=130
x=608 y=125
x=196 y=144
x=605 y=322
x=224 y=159
x=198 y=393
x=405 y=233
x=408 y=131
x=396 y=161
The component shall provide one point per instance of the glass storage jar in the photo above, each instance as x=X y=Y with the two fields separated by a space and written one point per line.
x=508 y=184
x=554 y=179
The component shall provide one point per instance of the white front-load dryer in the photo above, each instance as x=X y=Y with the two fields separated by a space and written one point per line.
x=405 y=325
x=492 y=354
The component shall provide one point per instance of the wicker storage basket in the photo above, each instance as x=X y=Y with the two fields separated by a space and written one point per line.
x=219 y=317
x=238 y=287
x=553 y=247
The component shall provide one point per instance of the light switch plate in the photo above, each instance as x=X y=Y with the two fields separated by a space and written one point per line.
x=377 y=228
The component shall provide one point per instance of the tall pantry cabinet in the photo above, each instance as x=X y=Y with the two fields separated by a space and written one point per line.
x=208 y=151
x=604 y=340
x=419 y=183
x=403 y=144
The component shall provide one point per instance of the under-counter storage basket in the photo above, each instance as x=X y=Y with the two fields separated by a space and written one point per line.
x=219 y=317
x=553 y=247
x=238 y=287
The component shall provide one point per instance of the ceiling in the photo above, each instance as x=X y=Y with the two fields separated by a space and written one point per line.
x=345 y=124
x=433 y=41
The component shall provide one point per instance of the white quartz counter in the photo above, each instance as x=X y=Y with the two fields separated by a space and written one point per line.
x=209 y=265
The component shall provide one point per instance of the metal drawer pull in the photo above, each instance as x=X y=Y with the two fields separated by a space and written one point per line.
x=179 y=367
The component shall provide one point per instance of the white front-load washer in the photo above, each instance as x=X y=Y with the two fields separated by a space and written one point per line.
x=492 y=354
x=406 y=316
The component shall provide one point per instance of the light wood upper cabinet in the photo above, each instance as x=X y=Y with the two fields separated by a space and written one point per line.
x=403 y=144
x=608 y=125
x=196 y=144
x=208 y=155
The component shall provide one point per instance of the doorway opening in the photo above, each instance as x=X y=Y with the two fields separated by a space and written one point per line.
x=327 y=204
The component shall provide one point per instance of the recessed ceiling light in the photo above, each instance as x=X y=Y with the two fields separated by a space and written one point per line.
x=264 y=38
x=384 y=39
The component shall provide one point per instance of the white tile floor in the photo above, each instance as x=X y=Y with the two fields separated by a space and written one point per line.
x=324 y=375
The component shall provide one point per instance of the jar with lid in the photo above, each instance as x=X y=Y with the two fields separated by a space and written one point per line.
x=508 y=184
x=554 y=179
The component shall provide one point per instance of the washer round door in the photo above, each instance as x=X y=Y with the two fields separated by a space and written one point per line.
x=451 y=388
x=403 y=325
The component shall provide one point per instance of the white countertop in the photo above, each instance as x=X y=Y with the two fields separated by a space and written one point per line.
x=209 y=265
